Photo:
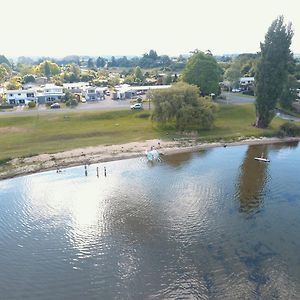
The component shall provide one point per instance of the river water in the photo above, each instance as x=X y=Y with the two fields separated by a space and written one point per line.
x=209 y=225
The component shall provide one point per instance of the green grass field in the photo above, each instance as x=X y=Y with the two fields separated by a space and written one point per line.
x=22 y=136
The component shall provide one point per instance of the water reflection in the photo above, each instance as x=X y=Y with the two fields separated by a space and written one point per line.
x=166 y=232
x=291 y=145
x=252 y=180
x=181 y=159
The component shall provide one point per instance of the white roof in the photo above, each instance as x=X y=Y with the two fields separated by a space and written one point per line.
x=51 y=86
x=19 y=91
x=76 y=84
x=126 y=88
x=247 y=79
x=96 y=88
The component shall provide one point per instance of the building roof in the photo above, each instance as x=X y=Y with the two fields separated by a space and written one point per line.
x=76 y=84
x=19 y=91
x=126 y=88
x=247 y=79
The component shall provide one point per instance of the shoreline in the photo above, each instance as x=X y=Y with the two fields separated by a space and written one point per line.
x=99 y=154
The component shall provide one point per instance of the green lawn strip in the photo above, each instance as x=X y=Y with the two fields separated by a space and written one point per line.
x=28 y=135
x=23 y=136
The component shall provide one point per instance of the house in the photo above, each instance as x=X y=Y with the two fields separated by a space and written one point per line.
x=94 y=93
x=126 y=91
x=246 y=82
x=76 y=87
x=51 y=93
x=17 y=97
x=123 y=92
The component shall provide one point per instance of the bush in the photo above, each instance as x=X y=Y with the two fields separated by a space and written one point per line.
x=72 y=103
x=250 y=93
x=288 y=129
x=143 y=115
x=31 y=104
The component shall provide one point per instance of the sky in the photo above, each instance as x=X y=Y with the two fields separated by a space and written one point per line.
x=133 y=27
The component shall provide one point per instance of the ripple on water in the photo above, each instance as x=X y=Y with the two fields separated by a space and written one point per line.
x=213 y=226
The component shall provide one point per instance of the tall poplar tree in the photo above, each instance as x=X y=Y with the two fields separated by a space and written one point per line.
x=272 y=70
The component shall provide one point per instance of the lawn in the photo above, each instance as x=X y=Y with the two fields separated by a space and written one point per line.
x=22 y=136
x=234 y=121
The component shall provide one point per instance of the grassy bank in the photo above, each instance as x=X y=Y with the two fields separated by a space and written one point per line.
x=22 y=136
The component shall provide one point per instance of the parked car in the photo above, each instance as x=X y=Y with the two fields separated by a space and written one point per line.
x=136 y=106
x=83 y=100
x=55 y=105
x=235 y=90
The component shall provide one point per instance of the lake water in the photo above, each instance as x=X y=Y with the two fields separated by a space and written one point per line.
x=209 y=225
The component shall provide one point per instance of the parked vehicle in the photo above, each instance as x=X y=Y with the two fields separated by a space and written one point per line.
x=136 y=106
x=235 y=90
x=55 y=105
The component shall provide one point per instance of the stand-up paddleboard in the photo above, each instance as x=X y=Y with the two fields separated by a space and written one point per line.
x=152 y=155
x=262 y=159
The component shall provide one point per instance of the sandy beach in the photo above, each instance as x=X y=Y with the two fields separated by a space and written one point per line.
x=91 y=155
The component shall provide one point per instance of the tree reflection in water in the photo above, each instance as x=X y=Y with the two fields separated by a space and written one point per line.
x=252 y=180
x=180 y=159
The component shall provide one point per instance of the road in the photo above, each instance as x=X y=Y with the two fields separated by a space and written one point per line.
x=236 y=98
x=107 y=104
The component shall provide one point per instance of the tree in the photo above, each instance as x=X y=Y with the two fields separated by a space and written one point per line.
x=90 y=63
x=48 y=68
x=71 y=73
x=3 y=73
x=113 y=62
x=100 y=62
x=182 y=103
x=233 y=74
x=152 y=54
x=28 y=78
x=272 y=70
x=138 y=74
x=4 y=60
x=203 y=70
x=25 y=69
x=167 y=79
x=14 y=83
x=289 y=92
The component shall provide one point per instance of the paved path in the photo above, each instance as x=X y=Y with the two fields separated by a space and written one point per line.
x=236 y=98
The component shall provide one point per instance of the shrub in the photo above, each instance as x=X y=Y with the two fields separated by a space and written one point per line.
x=288 y=129
x=31 y=104
x=249 y=92
x=72 y=102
